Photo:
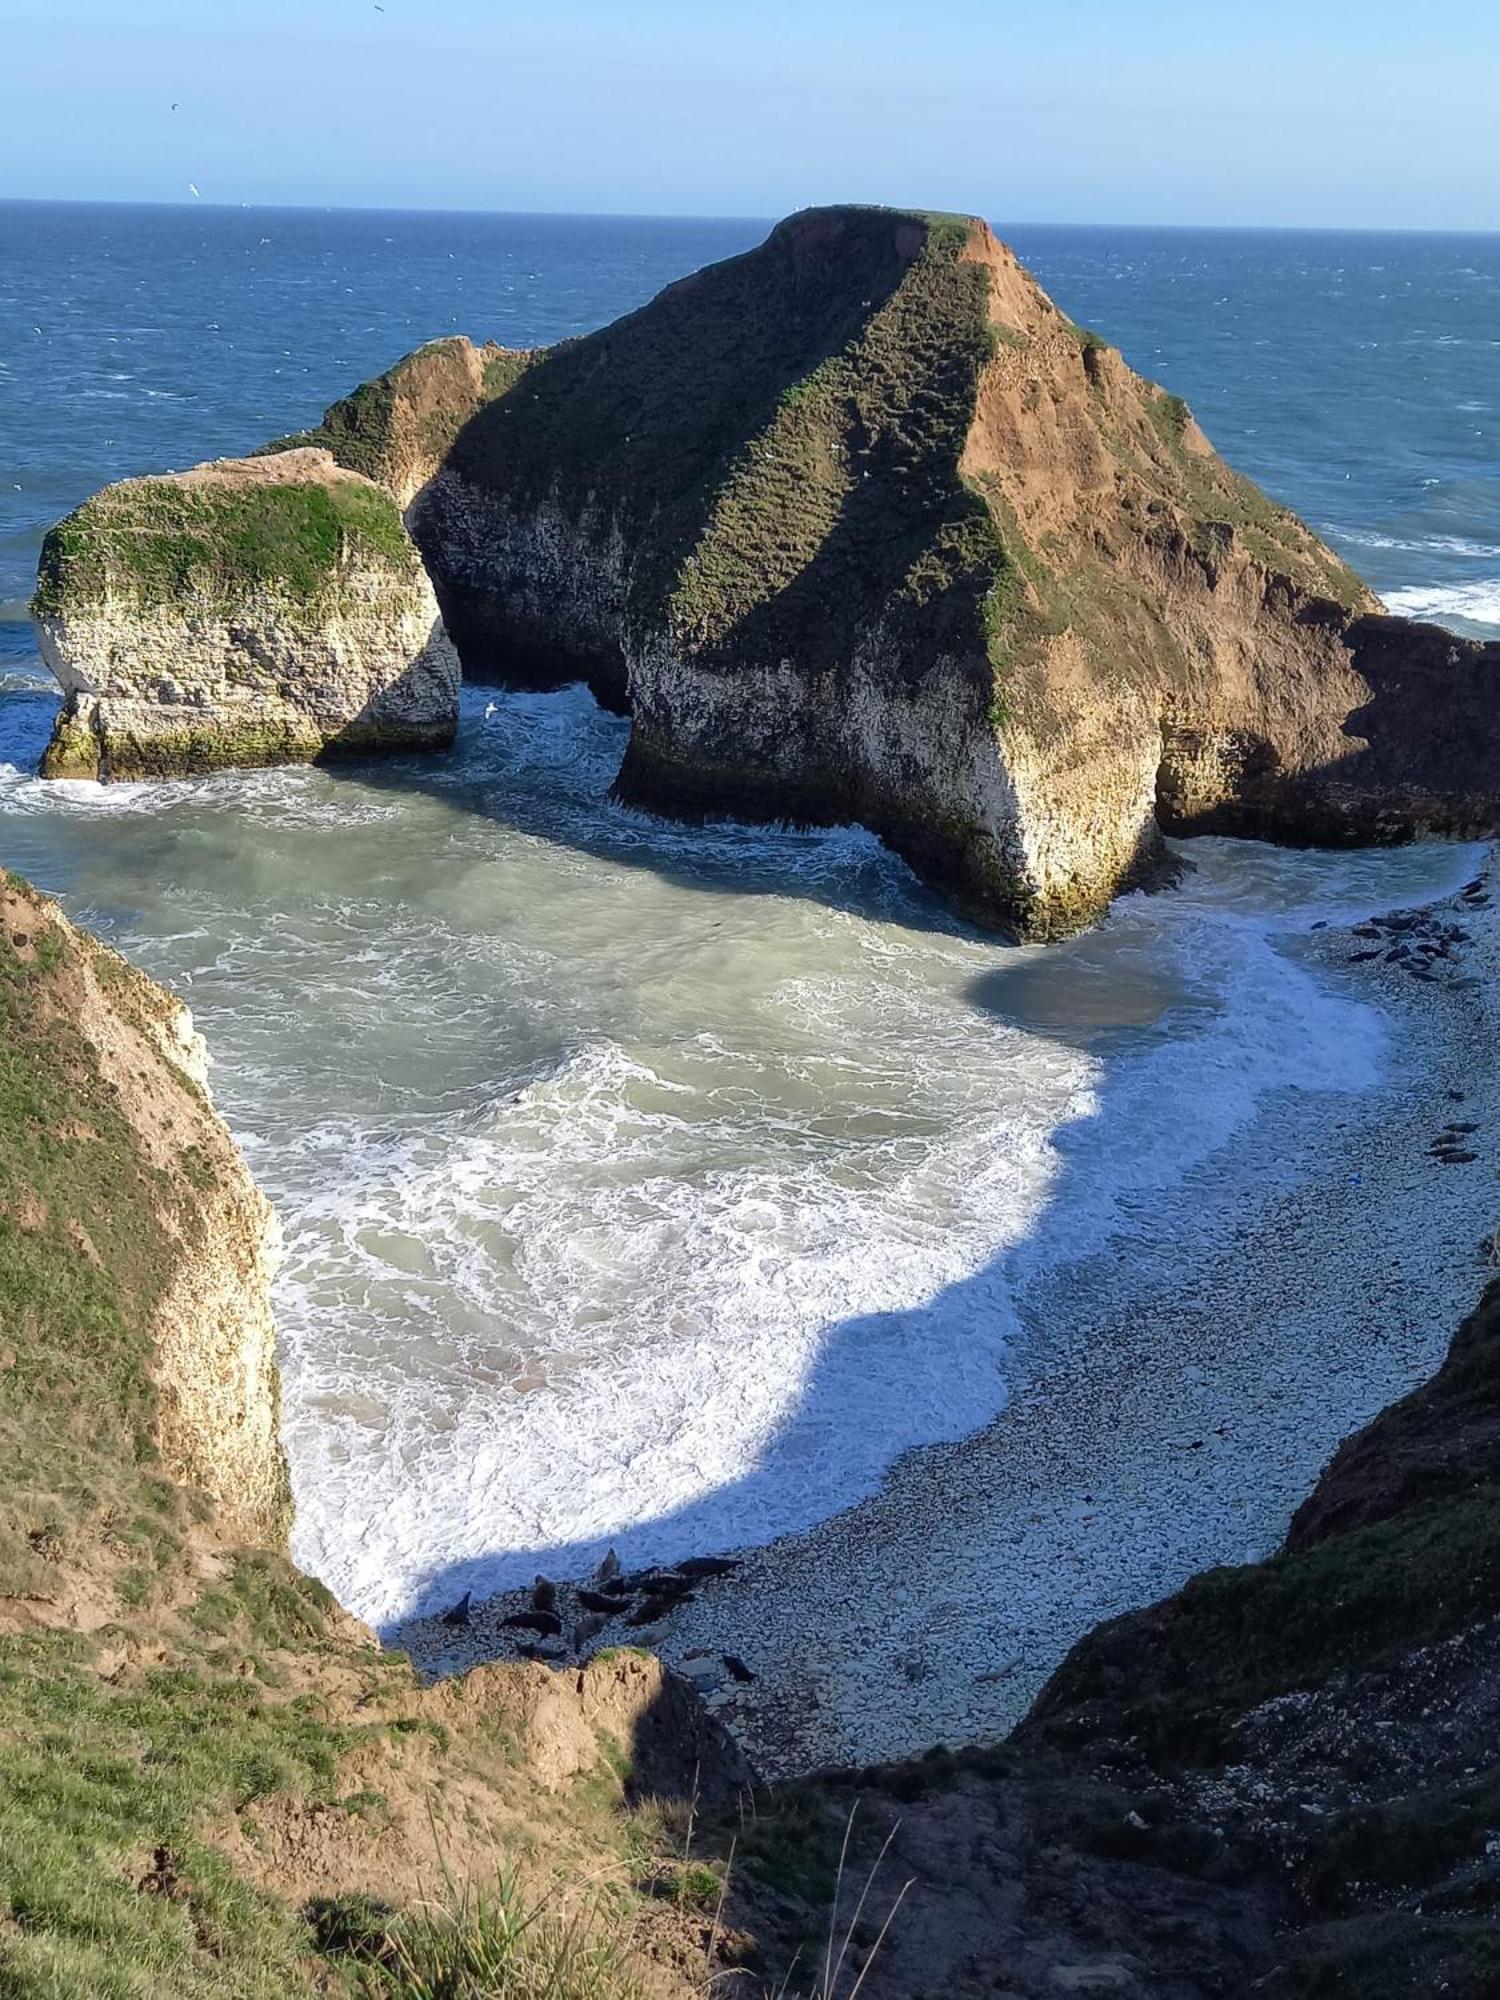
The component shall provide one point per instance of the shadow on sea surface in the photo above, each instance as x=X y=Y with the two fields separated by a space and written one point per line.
x=915 y=1353
x=949 y=1356
x=907 y=1380
x=934 y=1372
x=891 y=1381
x=581 y=814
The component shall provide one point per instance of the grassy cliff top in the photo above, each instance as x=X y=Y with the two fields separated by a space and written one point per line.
x=222 y=533
x=877 y=417
x=781 y=432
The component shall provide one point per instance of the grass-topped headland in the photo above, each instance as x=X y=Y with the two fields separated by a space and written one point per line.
x=931 y=556
x=777 y=436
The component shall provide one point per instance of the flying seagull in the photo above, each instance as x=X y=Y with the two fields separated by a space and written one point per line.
x=194 y=192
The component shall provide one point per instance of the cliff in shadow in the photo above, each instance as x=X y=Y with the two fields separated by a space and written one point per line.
x=212 y=1781
x=1283 y=1780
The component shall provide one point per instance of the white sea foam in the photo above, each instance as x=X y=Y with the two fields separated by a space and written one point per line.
x=1425 y=545
x=672 y=1345
x=1475 y=603
x=661 y=1185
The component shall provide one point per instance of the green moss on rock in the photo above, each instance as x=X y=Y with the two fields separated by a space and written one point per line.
x=156 y=541
x=73 y=750
x=416 y=408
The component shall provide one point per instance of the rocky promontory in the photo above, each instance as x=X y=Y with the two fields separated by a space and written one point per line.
x=137 y=1255
x=855 y=527
x=248 y=612
x=860 y=526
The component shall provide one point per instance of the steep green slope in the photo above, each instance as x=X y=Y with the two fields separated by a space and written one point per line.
x=212 y=1783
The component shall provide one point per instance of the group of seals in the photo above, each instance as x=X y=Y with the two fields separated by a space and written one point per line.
x=1420 y=945
x=576 y=1614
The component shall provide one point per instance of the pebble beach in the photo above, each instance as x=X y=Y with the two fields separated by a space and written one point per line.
x=1171 y=1402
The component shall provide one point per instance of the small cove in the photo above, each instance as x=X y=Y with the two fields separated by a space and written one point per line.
x=594 y=1136
x=644 y=1182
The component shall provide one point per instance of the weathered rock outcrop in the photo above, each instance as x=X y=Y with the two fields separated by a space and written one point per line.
x=212 y=1781
x=860 y=526
x=1283 y=1780
x=252 y=611
x=398 y=429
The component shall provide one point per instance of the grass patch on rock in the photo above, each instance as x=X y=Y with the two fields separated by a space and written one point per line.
x=158 y=541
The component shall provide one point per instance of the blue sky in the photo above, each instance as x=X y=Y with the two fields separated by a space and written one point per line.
x=1372 y=114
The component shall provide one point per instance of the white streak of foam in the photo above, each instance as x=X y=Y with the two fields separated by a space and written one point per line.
x=1474 y=603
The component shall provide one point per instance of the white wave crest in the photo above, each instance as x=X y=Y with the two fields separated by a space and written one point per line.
x=1473 y=603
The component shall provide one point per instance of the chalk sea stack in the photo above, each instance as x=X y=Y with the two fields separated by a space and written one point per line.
x=857 y=526
x=252 y=611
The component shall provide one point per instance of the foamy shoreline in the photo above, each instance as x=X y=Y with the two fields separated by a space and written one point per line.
x=1172 y=1404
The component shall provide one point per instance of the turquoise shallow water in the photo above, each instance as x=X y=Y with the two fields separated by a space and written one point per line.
x=592 y=1136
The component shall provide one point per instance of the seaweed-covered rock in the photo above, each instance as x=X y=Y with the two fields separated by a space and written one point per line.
x=248 y=612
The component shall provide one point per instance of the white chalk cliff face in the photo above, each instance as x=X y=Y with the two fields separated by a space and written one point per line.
x=256 y=611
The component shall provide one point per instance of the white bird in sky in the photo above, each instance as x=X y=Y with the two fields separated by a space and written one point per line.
x=194 y=192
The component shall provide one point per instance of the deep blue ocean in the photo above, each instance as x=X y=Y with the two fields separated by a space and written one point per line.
x=660 y=1186
x=1357 y=376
